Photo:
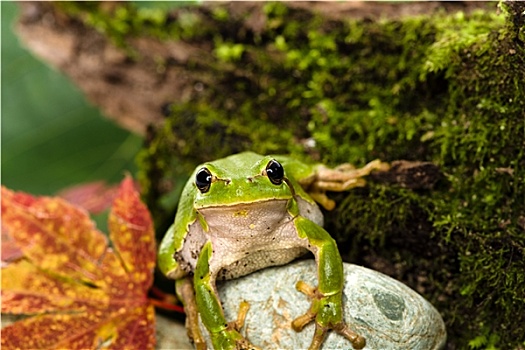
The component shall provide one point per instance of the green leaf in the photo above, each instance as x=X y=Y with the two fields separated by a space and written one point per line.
x=51 y=137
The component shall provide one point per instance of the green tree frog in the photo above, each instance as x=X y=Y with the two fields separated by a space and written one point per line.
x=246 y=212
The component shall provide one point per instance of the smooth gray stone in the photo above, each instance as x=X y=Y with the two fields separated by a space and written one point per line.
x=386 y=312
x=171 y=335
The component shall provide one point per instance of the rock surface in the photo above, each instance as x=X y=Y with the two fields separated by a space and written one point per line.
x=171 y=334
x=386 y=312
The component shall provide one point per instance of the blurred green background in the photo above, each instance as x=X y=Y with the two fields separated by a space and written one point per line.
x=52 y=137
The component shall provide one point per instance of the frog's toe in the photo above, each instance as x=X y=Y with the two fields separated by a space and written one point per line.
x=300 y=322
x=242 y=343
x=323 y=200
x=358 y=342
x=323 y=321
x=230 y=338
x=246 y=345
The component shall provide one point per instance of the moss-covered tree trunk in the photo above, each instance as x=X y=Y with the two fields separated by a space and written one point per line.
x=330 y=83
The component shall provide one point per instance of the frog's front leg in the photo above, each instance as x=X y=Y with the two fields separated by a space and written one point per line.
x=327 y=306
x=223 y=335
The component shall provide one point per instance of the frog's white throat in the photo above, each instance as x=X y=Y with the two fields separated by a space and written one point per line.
x=246 y=237
x=246 y=220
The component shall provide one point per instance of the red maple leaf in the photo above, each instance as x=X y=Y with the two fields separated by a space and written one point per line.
x=79 y=292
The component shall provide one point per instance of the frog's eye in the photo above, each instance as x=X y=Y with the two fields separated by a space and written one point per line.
x=203 y=180
x=275 y=172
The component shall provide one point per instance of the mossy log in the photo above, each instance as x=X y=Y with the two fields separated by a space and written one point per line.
x=442 y=84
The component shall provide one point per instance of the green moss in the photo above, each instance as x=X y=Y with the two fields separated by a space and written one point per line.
x=399 y=90
x=228 y=52
x=124 y=21
x=442 y=88
x=220 y=14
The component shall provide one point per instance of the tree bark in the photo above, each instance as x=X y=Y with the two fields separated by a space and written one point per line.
x=136 y=89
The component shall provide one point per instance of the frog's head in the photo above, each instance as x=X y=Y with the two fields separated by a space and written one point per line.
x=243 y=178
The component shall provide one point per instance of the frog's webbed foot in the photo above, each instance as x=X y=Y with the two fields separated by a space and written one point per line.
x=230 y=337
x=321 y=311
x=342 y=178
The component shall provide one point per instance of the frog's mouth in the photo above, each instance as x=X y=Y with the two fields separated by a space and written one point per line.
x=268 y=204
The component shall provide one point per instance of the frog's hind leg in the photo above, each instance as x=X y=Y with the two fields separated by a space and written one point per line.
x=186 y=293
x=342 y=178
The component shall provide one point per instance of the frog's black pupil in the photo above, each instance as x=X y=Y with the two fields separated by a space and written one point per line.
x=203 y=180
x=275 y=172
